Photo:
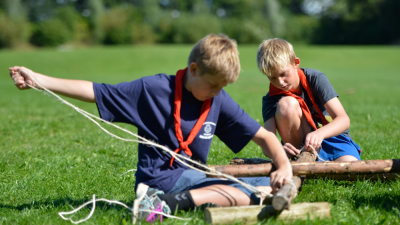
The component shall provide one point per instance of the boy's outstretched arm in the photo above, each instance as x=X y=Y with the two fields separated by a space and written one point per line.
x=77 y=89
x=272 y=148
x=340 y=122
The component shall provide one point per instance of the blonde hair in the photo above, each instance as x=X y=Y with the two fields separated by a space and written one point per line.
x=217 y=55
x=274 y=55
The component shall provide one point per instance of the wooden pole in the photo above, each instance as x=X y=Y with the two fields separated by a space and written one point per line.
x=252 y=214
x=315 y=169
x=285 y=196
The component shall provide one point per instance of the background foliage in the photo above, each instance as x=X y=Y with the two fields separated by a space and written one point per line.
x=111 y=22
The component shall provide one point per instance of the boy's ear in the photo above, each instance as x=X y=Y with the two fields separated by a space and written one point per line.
x=297 y=62
x=193 y=68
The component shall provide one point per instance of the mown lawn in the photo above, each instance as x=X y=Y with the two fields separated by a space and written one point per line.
x=53 y=159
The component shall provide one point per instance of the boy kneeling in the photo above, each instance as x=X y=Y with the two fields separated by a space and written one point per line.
x=303 y=106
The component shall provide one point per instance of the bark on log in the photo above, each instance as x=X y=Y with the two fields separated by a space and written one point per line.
x=252 y=214
x=241 y=161
x=285 y=196
x=316 y=168
x=306 y=157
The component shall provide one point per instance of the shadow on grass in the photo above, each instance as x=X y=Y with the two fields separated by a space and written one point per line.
x=385 y=202
x=61 y=203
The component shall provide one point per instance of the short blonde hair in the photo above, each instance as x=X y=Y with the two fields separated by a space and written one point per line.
x=274 y=55
x=217 y=55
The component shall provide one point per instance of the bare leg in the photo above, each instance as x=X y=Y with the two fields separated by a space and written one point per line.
x=223 y=195
x=346 y=158
x=291 y=123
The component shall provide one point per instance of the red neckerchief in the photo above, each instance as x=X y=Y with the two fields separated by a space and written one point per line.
x=184 y=145
x=303 y=80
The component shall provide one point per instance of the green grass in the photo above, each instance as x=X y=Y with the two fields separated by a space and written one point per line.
x=52 y=159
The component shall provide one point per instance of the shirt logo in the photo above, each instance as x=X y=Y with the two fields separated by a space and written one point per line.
x=207 y=131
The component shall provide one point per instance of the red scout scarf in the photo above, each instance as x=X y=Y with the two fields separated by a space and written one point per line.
x=184 y=145
x=303 y=80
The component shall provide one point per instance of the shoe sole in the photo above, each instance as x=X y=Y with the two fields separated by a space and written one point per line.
x=140 y=193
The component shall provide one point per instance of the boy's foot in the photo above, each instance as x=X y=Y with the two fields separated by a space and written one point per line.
x=147 y=204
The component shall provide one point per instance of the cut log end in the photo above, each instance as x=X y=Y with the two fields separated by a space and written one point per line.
x=284 y=197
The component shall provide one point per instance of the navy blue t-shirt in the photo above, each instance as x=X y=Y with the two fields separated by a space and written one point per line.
x=147 y=103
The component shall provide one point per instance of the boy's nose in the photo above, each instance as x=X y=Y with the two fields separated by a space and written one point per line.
x=281 y=81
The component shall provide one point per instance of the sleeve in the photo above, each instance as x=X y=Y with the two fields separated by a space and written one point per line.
x=118 y=103
x=321 y=88
x=235 y=127
x=269 y=106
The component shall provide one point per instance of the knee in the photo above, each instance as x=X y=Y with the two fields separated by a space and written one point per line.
x=287 y=106
x=346 y=158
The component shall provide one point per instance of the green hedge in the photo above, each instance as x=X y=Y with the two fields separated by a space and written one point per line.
x=50 y=33
x=13 y=32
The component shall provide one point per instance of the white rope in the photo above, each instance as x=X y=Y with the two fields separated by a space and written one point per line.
x=293 y=186
x=142 y=140
x=131 y=170
x=94 y=200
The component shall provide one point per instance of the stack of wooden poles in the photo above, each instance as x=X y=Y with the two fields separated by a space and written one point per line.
x=305 y=167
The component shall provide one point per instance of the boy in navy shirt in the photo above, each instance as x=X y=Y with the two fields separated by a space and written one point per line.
x=183 y=113
x=303 y=106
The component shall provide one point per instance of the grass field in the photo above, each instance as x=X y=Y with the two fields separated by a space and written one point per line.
x=52 y=159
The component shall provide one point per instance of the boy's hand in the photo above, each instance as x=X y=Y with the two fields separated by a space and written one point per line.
x=280 y=177
x=290 y=150
x=313 y=139
x=21 y=76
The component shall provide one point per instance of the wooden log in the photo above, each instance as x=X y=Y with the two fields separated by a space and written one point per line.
x=285 y=196
x=252 y=214
x=241 y=161
x=246 y=170
x=316 y=168
x=306 y=157
x=365 y=167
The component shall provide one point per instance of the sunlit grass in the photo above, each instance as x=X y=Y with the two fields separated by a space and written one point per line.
x=52 y=159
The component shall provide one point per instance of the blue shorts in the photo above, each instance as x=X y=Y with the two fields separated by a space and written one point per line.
x=335 y=147
x=193 y=179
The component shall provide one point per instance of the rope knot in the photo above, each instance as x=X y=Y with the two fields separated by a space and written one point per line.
x=183 y=145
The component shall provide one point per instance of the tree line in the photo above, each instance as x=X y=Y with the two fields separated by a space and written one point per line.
x=112 y=22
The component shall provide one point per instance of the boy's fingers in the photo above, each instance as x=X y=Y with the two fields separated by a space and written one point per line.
x=289 y=152
x=291 y=149
x=278 y=185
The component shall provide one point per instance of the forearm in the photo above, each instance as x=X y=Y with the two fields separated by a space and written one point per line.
x=271 y=147
x=77 y=89
x=334 y=128
x=275 y=151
